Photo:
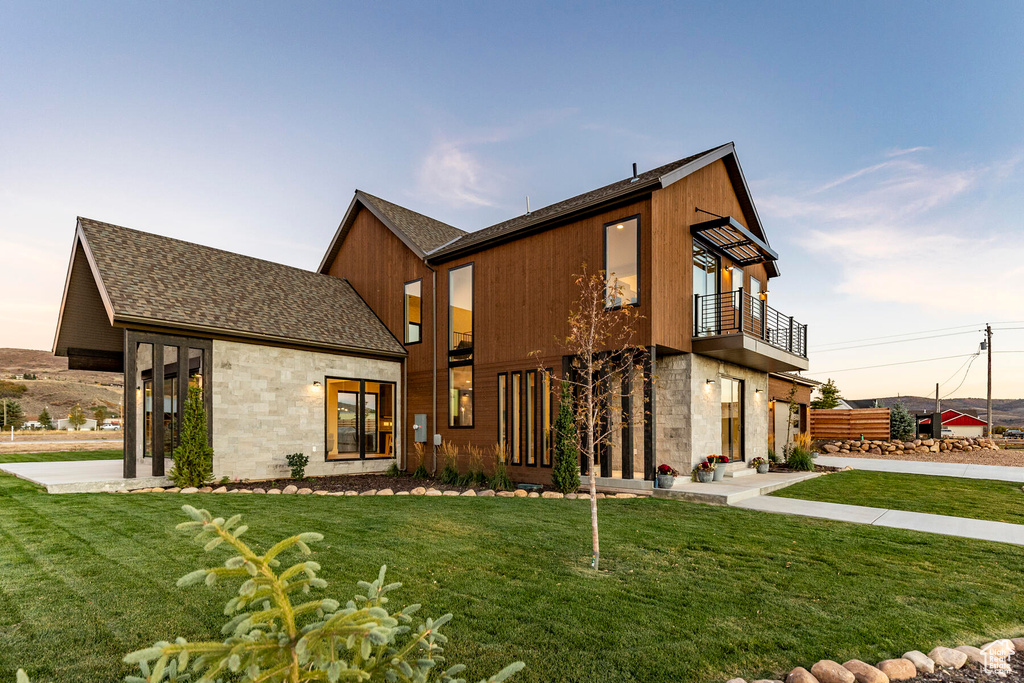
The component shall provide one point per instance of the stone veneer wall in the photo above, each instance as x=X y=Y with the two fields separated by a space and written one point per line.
x=265 y=407
x=688 y=411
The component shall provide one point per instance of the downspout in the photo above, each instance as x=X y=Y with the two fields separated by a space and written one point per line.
x=433 y=375
x=403 y=458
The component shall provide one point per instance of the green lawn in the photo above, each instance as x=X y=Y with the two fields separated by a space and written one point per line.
x=998 y=501
x=689 y=592
x=115 y=454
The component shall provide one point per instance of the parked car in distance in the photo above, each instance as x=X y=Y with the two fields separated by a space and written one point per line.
x=1013 y=434
x=946 y=432
x=110 y=428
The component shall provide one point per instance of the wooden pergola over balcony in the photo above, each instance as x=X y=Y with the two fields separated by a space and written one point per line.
x=728 y=237
x=742 y=329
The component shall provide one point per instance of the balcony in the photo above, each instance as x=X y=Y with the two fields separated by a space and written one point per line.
x=741 y=329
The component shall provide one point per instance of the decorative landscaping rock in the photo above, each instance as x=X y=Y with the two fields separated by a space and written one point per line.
x=801 y=675
x=486 y=494
x=321 y=492
x=401 y=493
x=571 y=496
x=519 y=493
x=469 y=492
x=385 y=492
x=506 y=494
x=336 y=493
x=173 y=489
x=450 y=493
x=1018 y=643
x=533 y=494
x=418 y=491
x=290 y=488
x=190 y=489
x=551 y=494
x=973 y=654
x=235 y=491
x=220 y=489
x=735 y=680
x=828 y=671
x=242 y=491
x=274 y=492
x=999 y=648
x=304 y=492
x=864 y=672
x=369 y=492
x=944 y=656
x=351 y=493
x=433 y=492
x=206 y=489
x=767 y=680
x=897 y=669
x=259 y=490
x=625 y=495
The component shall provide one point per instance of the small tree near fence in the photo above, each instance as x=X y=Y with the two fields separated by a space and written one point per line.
x=600 y=342
x=193 y=458
x=11 y=414
x=828 y=396
x=901 y=422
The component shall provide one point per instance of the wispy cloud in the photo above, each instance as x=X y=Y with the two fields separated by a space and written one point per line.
x=906 y=231
x=453 y=175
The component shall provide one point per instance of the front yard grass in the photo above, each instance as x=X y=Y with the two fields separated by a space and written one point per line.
x=688 y=592
x=998 y=501
x=111 y=454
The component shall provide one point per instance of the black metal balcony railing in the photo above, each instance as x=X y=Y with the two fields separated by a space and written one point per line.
x=738 y=312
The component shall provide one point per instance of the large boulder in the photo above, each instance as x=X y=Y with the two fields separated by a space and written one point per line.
x=828 y=671
x=829 y=448
x=418 y=491
x=864 y=672
x=974 y=654
x=801 y=675
x=898 y=669
x=290 y=488
x=948 y=657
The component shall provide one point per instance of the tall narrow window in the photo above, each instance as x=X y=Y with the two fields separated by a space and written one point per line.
x=732 y=418
x=414 y=312
x=530 y=440
x=736 y=277
x=705 y=290
x=755 y=298
x=547 y=400
x=515 y=423
x=622 y=262
x=460 y=346
x=502 y=410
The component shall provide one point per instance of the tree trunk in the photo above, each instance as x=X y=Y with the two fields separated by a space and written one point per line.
x=596 y=556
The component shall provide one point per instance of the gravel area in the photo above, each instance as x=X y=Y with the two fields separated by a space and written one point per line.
x=1013 y=458
x=974 y=673
x=353 y=482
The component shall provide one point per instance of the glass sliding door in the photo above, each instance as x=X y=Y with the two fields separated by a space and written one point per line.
x=732 y=418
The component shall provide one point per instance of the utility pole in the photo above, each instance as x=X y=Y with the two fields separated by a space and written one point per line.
x=938 y=405
x=988 y=400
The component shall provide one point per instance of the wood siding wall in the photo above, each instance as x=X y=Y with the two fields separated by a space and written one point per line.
x=872 y=423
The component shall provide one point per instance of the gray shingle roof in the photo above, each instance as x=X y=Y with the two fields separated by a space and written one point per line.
x=645 y=180
x=179 y=284
x=427 y=233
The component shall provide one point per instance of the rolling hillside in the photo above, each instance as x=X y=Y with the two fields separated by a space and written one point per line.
x=57 y=387
x=1005 y=411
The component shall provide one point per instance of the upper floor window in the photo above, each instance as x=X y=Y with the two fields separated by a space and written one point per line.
x=622 y=262
x=414 y=312
x=460 y=308
x=736 y=278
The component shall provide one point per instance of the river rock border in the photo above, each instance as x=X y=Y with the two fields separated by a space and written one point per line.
x=909 y=666
x=418 y=491
x=958 y=444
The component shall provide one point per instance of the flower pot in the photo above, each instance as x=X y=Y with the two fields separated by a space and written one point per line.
x=719 y=471
x=705 y=476
x=762 y=469
x=665 y=481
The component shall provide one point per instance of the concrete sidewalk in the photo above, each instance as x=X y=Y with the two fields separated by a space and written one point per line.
x=935 y=469
x=977 y=529
x=82 y=476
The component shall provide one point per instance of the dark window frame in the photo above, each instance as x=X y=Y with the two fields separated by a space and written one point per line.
x=639 y=274
x=547 y=376
x=531 y=420
x=462 y=357
x=502 y=392
x=743 y=411
x=515 y=420
x=405 y=312
x=472 y=397
x=361 y=418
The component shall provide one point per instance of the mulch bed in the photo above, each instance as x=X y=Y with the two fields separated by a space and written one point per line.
x=974 y=673
x=352 y=482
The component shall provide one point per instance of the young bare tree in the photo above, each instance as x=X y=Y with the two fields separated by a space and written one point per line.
x=601 y=344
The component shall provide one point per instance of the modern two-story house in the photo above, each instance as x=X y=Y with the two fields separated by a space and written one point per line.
x=453 y=335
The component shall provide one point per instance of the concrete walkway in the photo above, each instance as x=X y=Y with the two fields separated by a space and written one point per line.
x=732 y=489
x=936 y=469
x=978 y=529
x=82 y=476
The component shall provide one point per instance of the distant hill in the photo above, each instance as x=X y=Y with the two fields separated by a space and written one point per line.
x=1005 y=411
x=57 y=387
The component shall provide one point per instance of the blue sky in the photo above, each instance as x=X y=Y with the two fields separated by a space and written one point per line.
x=882 y=142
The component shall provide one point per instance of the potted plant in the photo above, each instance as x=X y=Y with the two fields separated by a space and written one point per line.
x=666 y=476
x=704 y=472
x=760 y=464
x=719 y=462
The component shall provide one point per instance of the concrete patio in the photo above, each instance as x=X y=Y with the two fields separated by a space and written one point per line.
x=738 y=485
x=82 y=476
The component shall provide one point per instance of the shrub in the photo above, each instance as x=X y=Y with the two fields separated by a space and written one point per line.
x=500 y=480
x=450 y=456
x=271 y=639
x=45 y=421
x=800 y=459
x=421 y=470
x=475 y=474
x=297 y=462
x=393 y=470
x=773 y=456
x=901 y=422
x=11 y=414
x=565 y=475
x=193 y=458
x=11 y=389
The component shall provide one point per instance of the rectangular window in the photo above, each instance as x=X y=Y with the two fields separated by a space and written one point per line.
x=732 y=418
x=547 y=404
x=515 y=421
x=502 y=410
x=360 y=419
x=622 y=262
x=414 y=312
x=705 y=289
x=755 y=298
x=460 y=346
x=531 y=418
x=736 y=277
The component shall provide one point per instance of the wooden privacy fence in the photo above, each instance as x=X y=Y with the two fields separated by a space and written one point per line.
x=838 y=423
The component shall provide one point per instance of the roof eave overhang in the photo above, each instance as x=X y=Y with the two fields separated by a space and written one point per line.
x=358 y=200
x=81 y=242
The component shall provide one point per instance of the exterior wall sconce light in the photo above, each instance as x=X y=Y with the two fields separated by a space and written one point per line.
x=317 y=385
x=709 y=382
x=758 y=391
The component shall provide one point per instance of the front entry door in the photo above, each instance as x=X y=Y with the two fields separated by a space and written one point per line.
x=732 y=418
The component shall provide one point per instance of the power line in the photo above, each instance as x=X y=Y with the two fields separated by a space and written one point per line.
x=969 y=364
x=906 y=362
x=899 y=341
x=904 y=334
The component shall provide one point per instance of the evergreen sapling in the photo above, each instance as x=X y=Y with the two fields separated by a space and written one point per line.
x=193 y=458
x=565 y=475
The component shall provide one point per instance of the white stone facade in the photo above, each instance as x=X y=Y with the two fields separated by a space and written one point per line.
x=266 y=406
x=688 y=412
